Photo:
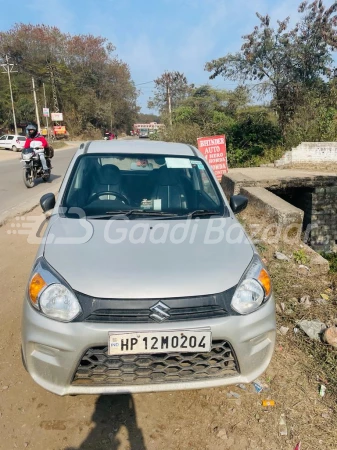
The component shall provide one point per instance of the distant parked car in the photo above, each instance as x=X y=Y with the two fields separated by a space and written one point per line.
x=12 y=141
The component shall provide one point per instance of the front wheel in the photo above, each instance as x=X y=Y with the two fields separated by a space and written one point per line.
x=46 y=177
x=28 y=178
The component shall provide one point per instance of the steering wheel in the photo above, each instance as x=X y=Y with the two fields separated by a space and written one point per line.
x=116 y=194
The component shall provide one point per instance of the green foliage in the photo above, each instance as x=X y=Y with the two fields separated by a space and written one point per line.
x=253 y=137
x=300 y=257
x=183 y=114
x=332 y=258
x=185 y=133
x=93 y=87
x=315 y=117
x=147 y=118
x=291 y=66
x=284 y=62
x=252 y=132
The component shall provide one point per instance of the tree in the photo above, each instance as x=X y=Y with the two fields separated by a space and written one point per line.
x=315 y=118
x=251 y=131
x=146 y=118
x=284 y=62
x=94 y=88
x=170 y=89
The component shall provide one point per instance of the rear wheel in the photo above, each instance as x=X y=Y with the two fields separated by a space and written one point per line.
x=14 y=148
x=28 y=178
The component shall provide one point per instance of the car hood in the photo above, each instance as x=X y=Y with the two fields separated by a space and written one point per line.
x=129 y=259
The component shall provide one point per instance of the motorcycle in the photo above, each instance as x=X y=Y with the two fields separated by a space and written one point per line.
x=32 y=166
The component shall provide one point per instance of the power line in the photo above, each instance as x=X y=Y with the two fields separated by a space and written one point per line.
x=146 y=82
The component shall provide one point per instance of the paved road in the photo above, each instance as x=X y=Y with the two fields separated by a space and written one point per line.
x=14 y=196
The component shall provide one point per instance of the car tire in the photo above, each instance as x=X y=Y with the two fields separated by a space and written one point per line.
x=14 y=148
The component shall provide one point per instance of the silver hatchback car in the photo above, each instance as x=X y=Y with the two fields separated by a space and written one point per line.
x=145 y=281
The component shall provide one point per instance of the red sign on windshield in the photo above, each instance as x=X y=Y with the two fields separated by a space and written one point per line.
x=214 y=150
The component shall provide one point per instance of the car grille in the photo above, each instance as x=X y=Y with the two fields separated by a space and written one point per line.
x=141 y=310
x=97 y=368
x=144 y=315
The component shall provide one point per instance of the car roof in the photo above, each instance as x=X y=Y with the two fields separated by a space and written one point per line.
x=139 y=147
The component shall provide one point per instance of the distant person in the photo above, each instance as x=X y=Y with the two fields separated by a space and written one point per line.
x=116 y=135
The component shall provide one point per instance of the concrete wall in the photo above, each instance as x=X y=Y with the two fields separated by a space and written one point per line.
x=310 y=152
x=320 y=208
x=273 y=206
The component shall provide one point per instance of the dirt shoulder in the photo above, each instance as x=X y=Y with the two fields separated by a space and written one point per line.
x=32 y=418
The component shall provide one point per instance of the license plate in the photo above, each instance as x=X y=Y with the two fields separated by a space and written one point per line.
x=185 y=341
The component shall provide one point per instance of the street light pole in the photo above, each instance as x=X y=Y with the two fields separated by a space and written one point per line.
x=36 y=108
x=45 y=105
x=8 y=69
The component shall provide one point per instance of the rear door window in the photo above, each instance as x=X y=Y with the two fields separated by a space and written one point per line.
x=10 y=137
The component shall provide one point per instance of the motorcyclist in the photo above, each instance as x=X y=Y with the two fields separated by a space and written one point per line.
x=33 y=135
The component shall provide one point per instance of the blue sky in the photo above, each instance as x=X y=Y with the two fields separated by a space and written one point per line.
x=155 y=35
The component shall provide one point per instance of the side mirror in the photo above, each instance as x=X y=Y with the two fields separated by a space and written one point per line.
x=238 y=203
x=47 y=202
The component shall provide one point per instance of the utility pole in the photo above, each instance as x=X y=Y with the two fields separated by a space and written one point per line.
x=111 y=117
x=45 y=105
x=169 y=103
x=8 y=68
x=168 y=81
x=53 y=88
x=36 y=108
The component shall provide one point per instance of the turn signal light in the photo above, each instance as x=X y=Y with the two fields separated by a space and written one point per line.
x=265 y=280
x=36 y=285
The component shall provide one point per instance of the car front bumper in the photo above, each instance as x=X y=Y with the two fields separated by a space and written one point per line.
x=53 y=350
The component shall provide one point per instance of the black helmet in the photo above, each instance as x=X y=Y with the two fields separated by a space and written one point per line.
x=33 y=127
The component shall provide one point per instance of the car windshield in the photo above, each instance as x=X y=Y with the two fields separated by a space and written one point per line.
x=103 y=185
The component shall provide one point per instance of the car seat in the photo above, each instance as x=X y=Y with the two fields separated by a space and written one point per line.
x=109 y=179
x=169 y=189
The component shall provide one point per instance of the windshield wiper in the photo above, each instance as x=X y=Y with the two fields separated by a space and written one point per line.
x=132 y=212
x=108 y=214
x=144 y=212
x=203 y=212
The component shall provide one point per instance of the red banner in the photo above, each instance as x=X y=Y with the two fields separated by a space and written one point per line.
x=214 y=150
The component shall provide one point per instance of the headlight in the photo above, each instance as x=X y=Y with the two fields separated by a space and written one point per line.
x=51 y=295
x=253 y=290
x=57 y=302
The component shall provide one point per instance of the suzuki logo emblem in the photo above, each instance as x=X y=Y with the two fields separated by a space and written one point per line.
x=160 y=312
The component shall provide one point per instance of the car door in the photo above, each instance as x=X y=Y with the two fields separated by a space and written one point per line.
x=3 y=140
x=10 y=141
